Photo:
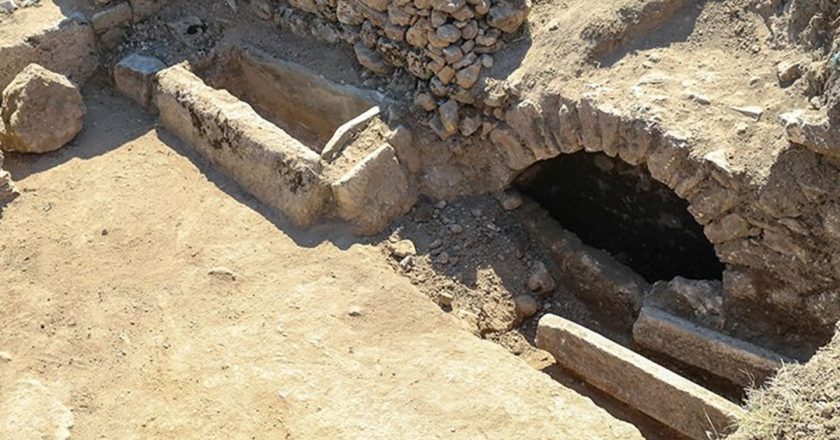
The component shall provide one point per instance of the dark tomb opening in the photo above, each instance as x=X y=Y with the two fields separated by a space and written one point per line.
x=621 y=209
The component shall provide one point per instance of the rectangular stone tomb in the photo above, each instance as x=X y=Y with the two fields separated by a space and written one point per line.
x=642 y=384
x=263 y=122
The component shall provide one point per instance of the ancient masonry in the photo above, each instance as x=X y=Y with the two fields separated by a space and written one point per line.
x=778 y=235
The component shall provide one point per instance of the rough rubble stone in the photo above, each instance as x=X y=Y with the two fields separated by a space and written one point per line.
x=699 y=301
x=526 y=305
x=448 y=6
x=145 y=8
x=449 y=116
x=507 y=17
x=113 y=16
x=466 y=77
x=378 y=5
x=448 y=33
x=347 y=13
x=540 y=280
x=371 y=59
x=41 y=111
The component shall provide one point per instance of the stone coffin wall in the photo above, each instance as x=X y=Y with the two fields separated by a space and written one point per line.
x=265 y=160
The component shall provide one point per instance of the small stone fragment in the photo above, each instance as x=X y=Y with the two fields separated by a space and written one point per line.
x=540 y=280
x=466 y=77
x=354 y=311
x=222 y=273
x=445 y=299
x=449 y=116
x=448 y=33
x=510 y=200
x=402 y=249
x=470 y=124
x=452 y=54
x=424 y=101
x=506 y=17
x=407 y=263
x=371 y=59
x=526 y=306
x=448 y=6
x=754 y=112
x=789 y=71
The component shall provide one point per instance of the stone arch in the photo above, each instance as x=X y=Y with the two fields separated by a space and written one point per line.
x=535 y=132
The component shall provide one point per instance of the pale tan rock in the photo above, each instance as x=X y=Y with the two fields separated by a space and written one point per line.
x=373 y=192
x=133 y=76
x=30 y=410
x=41 y=112
x=631 y=378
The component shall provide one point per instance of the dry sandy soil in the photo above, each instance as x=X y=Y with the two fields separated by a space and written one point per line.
x=145 y=296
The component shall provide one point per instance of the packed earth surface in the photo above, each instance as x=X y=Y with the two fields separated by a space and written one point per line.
x=554 y=219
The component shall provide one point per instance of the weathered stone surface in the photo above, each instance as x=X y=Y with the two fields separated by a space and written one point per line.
x=276 y=168
x=373 y=192
x=730 y=227
x=345 y=133
x=448 y=34
x=466 y=77
x=540 y=280
x=699 y=301
x=518 y=157
x=8 y=191
x=133 y=77
x=41 y=111
x=424 y=101
x=594 y=275
x=347 y=13
x=448 y=6
x=66 y=45
x=508 y=17
x=635 y=380
x=418 y=34
x=145 y=8
x=371 y=59
x=30 y=410
x=743 y=363
x=115 y=15
x=813 y=130
x=449 y=115
x=378 y=5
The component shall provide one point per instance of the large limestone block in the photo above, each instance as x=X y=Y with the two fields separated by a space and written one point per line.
x=642 y=384
x=133 y=77
x=41 y=111
x=373 y=192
